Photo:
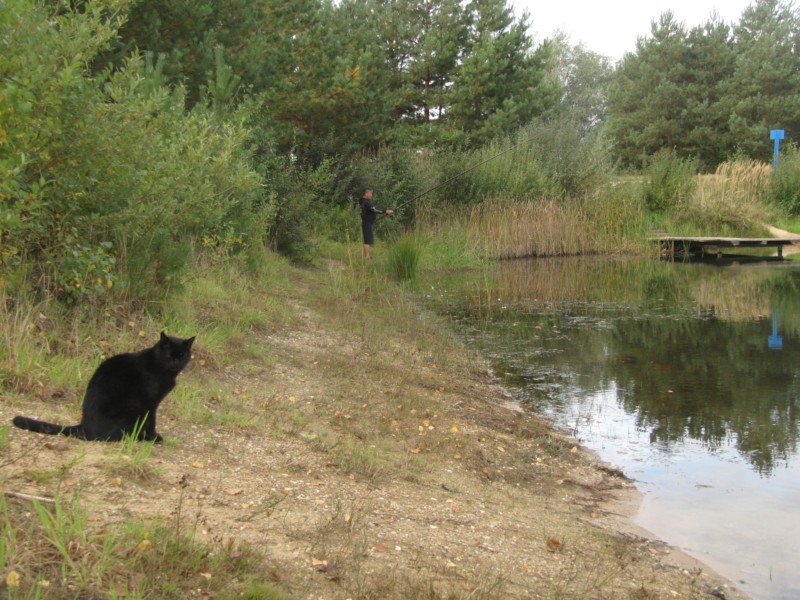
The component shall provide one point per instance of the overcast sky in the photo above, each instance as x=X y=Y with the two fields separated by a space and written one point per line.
x=611 y=28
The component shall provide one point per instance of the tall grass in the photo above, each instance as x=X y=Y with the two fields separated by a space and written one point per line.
x=733 y=198
x=404 y=258
x=518 y=229
x=521 y=228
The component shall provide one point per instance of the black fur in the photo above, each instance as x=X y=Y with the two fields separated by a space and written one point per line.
x=124 y=391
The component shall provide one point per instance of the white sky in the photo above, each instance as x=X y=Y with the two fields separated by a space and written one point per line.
x=611 y=27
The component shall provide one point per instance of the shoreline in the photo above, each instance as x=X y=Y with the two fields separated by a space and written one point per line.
x=363 y=455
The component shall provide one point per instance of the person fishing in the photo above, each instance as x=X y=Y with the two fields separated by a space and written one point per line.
x=369 y=213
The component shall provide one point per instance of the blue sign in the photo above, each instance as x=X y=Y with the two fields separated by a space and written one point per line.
x=777 y=135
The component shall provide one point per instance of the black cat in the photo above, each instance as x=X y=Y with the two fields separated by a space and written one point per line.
x=124 y=393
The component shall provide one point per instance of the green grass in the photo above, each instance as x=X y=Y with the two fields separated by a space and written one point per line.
x=58 y=553
x=404 y=258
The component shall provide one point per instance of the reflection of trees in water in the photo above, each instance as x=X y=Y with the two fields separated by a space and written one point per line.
x=686 y=346
x=710 y=381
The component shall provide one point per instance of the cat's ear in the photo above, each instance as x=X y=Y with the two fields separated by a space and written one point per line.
x=190 y=341
x=163 y=336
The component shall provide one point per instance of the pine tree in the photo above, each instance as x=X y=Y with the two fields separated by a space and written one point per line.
x=187 y=33
x=710 y=64
x=501 y=83
x=647 y=103
x=764 y=91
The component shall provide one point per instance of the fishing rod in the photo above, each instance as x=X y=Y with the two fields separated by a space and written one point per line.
x=457 y=175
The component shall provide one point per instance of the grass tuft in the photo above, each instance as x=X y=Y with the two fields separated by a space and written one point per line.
x=404 y=258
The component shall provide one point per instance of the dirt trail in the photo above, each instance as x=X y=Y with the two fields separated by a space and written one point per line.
x=782 y=233
x=367 y=472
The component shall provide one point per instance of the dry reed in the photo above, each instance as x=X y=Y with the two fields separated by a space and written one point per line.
x=517 y=229
x=735 y=192
x=538 y=228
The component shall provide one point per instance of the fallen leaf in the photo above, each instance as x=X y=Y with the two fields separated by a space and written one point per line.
x=207 y=576
x=416 y=450
x=143 y=545
x=198 y=465
x=553 y=544
x=234 y=491
x=142 y=334
x=202 y=362
x=56 y=446
x=118 y=481
x=574 y=450
x=379 y=547
x=441 y=389
x=454 y=429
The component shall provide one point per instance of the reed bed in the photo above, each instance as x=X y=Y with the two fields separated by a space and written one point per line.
x=517 y=229
x=539 y=228
x=735 y=194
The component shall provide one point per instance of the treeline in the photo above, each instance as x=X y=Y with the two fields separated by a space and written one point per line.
x=134 y=133
x=711 y=92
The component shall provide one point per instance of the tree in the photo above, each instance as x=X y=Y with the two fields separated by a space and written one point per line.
x=710 y=63
x=188 y=33
x=326 y=90
x=435 y=52
x=764 y=90
x=647 y=103
x=501 y=83
x=584 y=77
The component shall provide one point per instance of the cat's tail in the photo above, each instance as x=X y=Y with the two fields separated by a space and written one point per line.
x=48 y=428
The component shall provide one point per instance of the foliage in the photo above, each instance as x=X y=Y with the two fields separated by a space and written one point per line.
x=711 y=91
x=584 y=77
x=500 y=83
x=549 y=158
x=300 y=208
x=105 y=178
x=785 y=189
x=669 y=181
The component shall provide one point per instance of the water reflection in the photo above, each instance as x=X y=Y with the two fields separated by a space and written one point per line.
x=687 y=348
x=689 y=375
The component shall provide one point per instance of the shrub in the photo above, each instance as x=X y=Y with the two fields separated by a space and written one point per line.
x=104 y=176
x=785 y=186
x=669 y=180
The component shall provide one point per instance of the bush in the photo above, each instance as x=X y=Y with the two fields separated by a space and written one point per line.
x=669 y=180
x=785 y=186
x=104 y=177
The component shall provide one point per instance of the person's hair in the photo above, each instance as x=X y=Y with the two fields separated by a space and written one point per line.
x=366 y=190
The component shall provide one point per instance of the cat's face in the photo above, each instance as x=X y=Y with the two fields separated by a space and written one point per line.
x=174 y=353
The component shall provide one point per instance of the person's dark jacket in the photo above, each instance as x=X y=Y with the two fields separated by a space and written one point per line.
x=369 y=210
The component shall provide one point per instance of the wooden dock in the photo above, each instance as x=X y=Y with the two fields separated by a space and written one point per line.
x=676 y=246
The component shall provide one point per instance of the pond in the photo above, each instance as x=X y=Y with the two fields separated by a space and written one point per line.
x=685 y=376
